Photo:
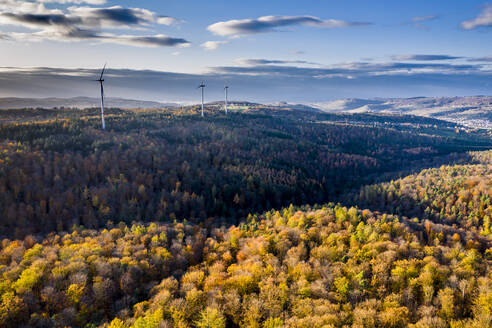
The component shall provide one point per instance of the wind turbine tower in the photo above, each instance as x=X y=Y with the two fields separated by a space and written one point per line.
x=101 y=80
x=225 y=101
x=202 y=86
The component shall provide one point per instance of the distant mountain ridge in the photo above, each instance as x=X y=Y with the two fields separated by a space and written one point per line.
x=474 y=111
x=78 y=102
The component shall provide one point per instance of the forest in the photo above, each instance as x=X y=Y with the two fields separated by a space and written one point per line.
x=59 y=170
x=262 y=218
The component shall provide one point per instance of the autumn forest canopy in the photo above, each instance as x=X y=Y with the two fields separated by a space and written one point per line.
x=264 y=217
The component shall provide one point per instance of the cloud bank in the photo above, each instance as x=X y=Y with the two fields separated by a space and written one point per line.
x=77 y=23
x=264 y=24
x=481 y=59
x=424 y=57
x=257 y=62
x=261 y=80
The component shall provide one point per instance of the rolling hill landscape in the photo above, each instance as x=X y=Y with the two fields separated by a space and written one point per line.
x=265 y=216
x=77 y=103
x=245 y=164
x=469 y=111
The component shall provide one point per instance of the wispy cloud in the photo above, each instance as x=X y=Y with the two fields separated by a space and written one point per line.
x=265 y=24
x=168 y=20
x=424 y=57
x=159 y=40
x=484 y=19
x=85 y=23
x=481 y=59
x=353 y=70
x=423 y=18
x=418 y=21
x=212 y=45
x=256 y=62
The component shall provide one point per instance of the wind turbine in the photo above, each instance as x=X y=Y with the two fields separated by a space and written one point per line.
x=202 y=86
x=101 y=80
x=225 y=101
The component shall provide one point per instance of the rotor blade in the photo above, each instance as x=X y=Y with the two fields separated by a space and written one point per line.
x=102 y=73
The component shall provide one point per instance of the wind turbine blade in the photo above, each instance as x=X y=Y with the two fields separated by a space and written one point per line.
x=102 y=73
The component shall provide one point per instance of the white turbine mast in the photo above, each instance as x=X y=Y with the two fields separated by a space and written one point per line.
x=101 y=80
x=226 y=88
x=202 y=86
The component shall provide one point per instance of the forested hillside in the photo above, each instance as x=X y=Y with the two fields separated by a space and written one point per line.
x=58 y=169
x=326 y=267
x=453 y=195
x=170 y=220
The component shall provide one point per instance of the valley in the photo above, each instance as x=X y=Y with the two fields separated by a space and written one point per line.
x=265 y=216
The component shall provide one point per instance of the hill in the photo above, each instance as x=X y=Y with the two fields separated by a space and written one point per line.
x=165 y=219
x=323 y=266
x=161 y=165
x=471 y=111
x=452 y=195
x=78 y=102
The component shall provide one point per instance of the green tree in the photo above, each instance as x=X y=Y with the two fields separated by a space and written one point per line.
x=211 y=318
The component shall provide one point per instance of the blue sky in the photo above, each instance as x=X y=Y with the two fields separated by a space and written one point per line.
x=266 y=50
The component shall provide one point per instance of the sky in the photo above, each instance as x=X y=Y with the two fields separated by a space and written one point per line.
x=266 y=51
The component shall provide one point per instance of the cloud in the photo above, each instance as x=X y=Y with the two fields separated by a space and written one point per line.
x=17 y=6
x=159 y=40
x=256 y=62
x=38 y=6
x=260 y=83
x=88 y=17
x=118 y=16
x=481 y=59
x=423 y=18
x=418 y=21
x=484 y=19
x=258 y=67
x=86 y=23
x=212 y=45
x=424 y=57
x=168 y=20
x=265 y=24
x=90 y=2
x=74 y=34
x=38 y=20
